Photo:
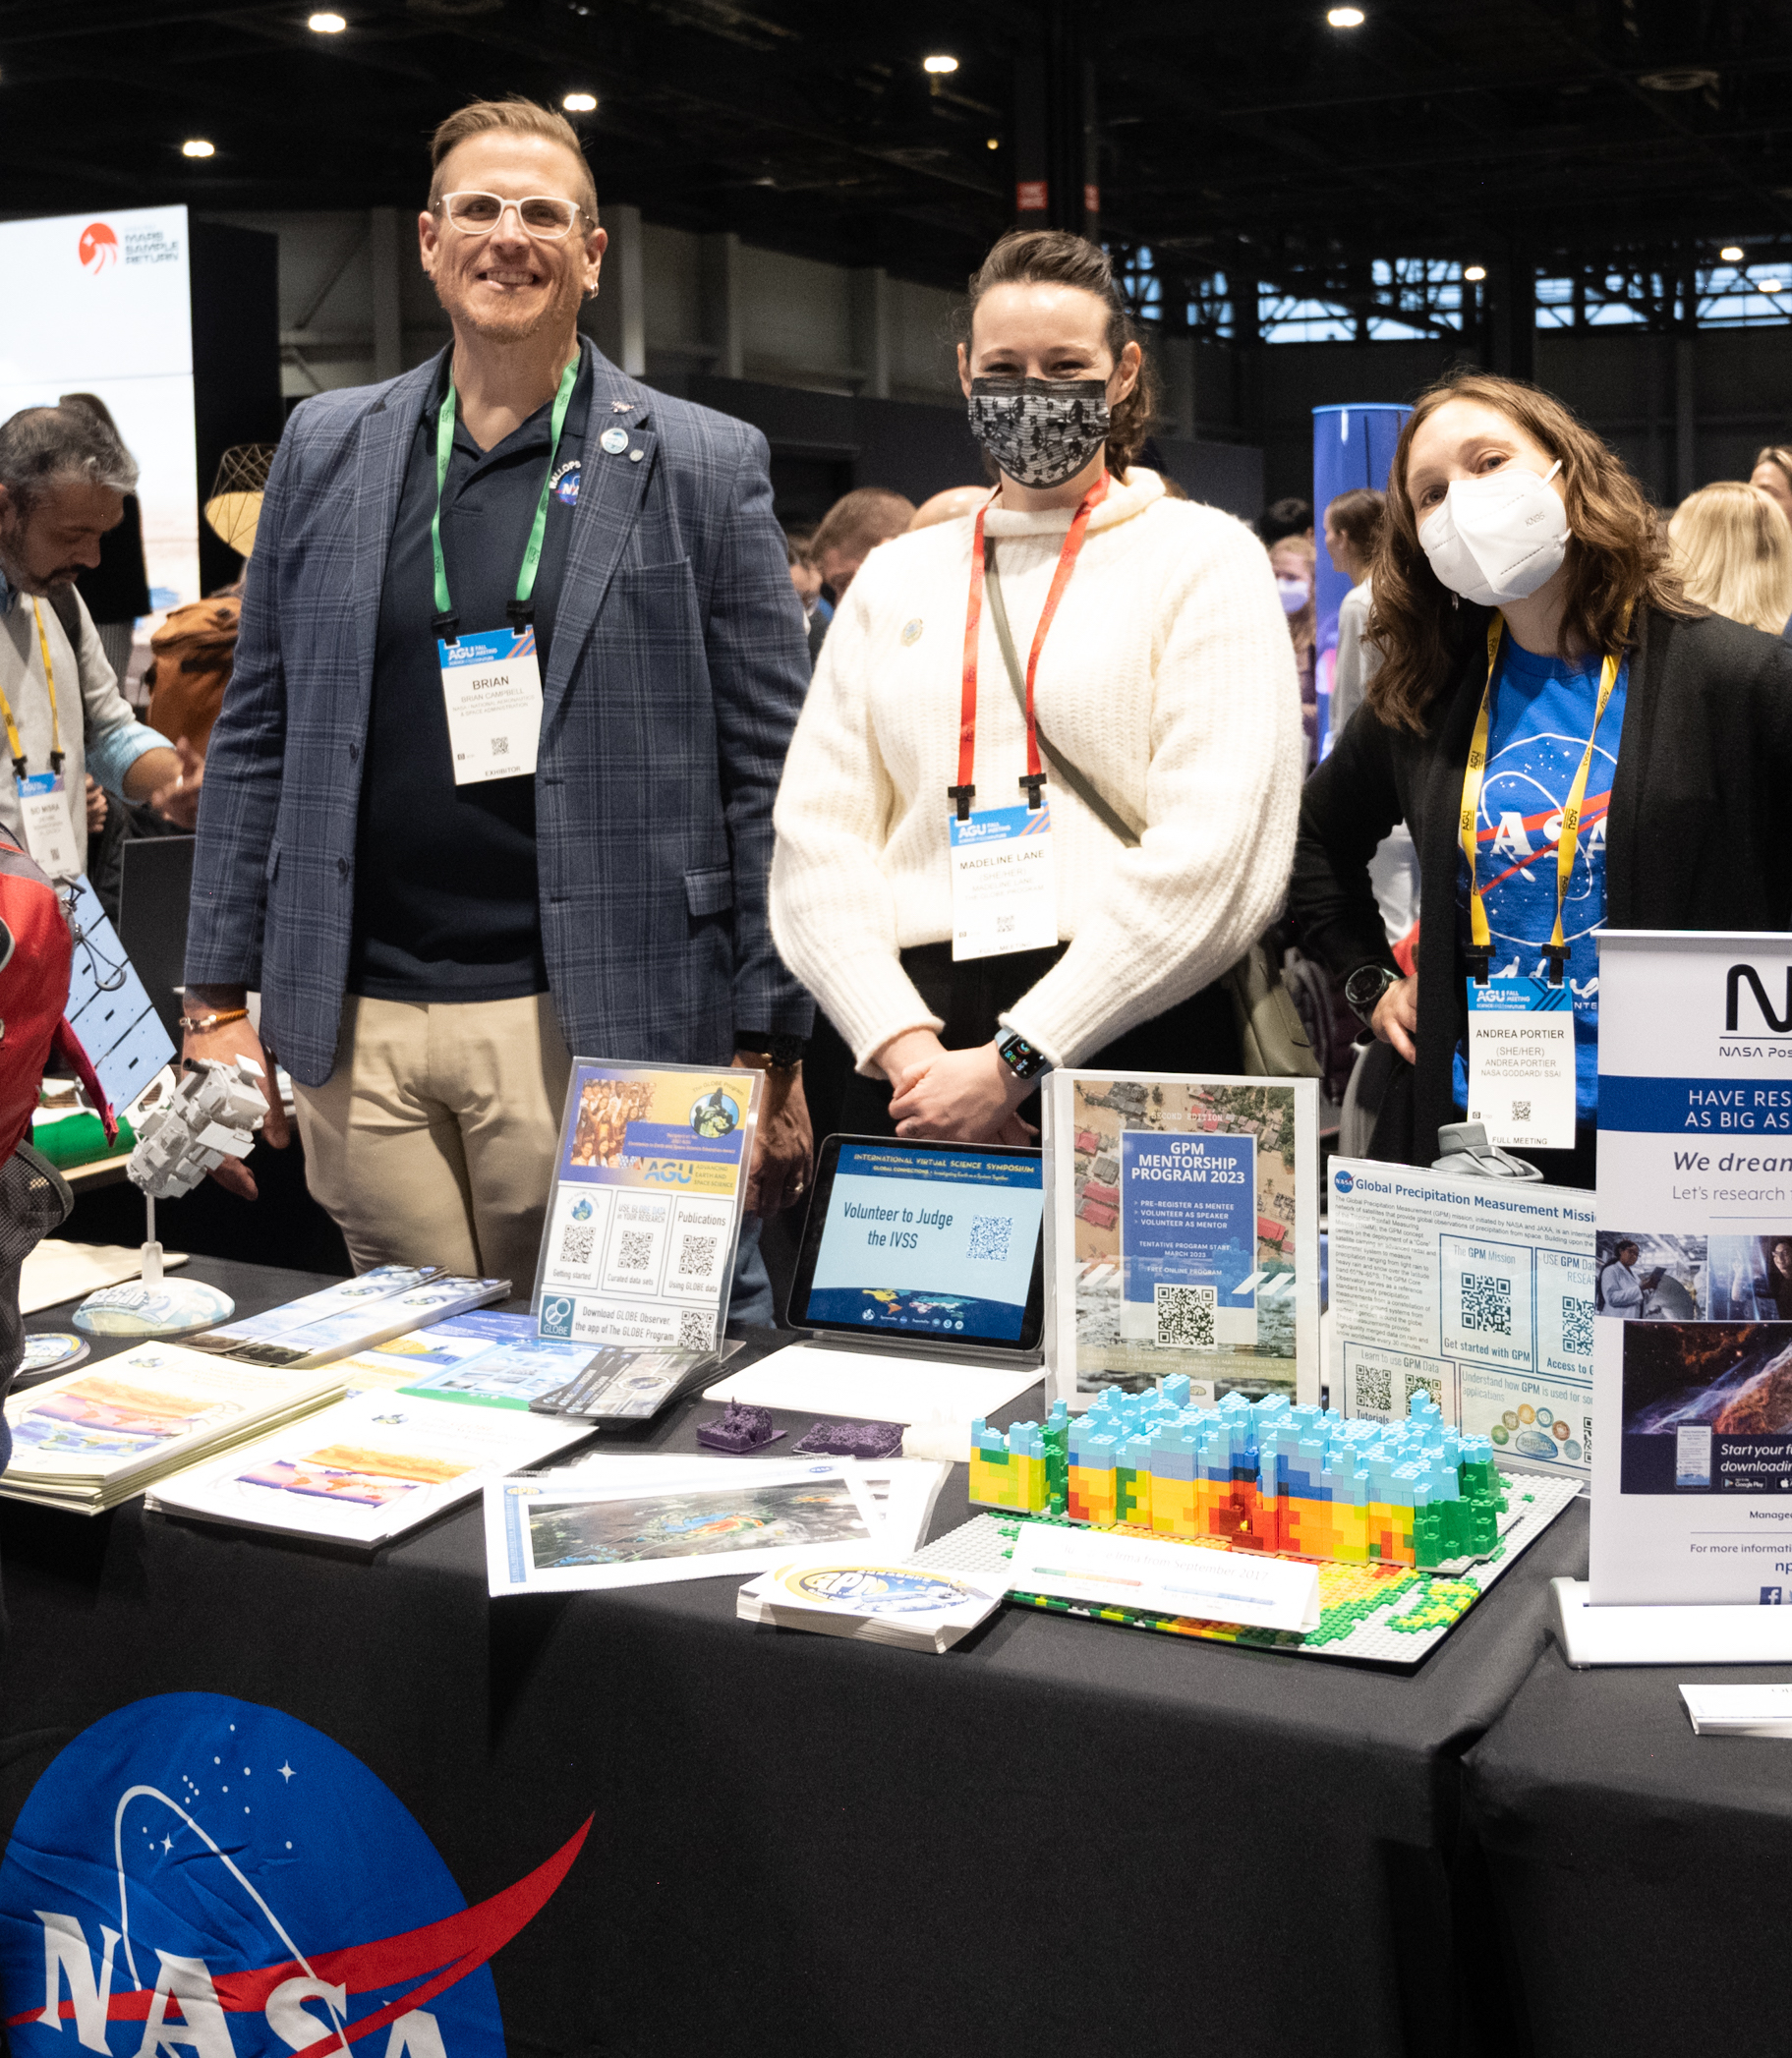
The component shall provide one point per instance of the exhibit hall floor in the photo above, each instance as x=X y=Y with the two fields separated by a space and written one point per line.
x=1055 y=1832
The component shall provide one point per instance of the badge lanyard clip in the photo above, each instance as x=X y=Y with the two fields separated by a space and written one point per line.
x=1033 y=778
x=1481 y=955
x=5 y=708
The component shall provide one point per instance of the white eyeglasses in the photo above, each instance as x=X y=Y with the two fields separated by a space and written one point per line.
x=543 y=216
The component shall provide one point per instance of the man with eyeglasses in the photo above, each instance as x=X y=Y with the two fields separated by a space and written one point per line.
x=492 y=781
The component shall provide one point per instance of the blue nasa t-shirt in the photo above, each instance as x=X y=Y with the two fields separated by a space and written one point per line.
x=1542 y=710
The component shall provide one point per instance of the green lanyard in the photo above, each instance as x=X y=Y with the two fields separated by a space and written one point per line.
x=531 y=556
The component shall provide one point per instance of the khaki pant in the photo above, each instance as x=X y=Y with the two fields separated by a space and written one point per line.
x=432 y=1141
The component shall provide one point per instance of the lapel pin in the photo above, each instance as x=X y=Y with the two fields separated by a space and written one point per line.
x=621 y=407
x=614 y=441
x=635 y=456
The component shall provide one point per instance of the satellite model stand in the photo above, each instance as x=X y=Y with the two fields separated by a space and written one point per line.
x=213 y=1114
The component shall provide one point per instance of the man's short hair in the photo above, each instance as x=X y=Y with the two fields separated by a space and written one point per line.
x=42 y=446
x=1283 y=517
x=521 y=117
x=856 y=525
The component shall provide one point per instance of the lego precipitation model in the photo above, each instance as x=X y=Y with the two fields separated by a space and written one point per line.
x=1261 y=1477
x=213 y=1114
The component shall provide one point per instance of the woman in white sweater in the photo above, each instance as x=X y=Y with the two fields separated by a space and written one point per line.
x=1168 y=724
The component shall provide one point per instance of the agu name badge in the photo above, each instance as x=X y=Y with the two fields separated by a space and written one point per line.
x=491 y=687
x=1521 y=1061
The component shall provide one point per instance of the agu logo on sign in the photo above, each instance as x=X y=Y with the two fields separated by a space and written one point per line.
x=197 y=1877
x=98 y=247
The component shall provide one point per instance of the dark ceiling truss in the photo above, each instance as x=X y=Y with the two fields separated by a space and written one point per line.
x=1250 y=141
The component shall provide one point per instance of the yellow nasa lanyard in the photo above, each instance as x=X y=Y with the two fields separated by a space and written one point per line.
x=5 y=708
x=1568 y=842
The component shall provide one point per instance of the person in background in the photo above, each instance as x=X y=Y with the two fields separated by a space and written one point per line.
x=808 y=584
x=1291 y=559
x=1730 y=546
x=429 y=951
x=63 y=479
x=1621 y=1292
x=117 y=589
x=851 y=528
x=1773 y=473
x=1168 y=735
x=1290 y=517
x=1519 y=557
x=951 y=505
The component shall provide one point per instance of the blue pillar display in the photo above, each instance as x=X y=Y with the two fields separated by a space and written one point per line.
x=1353 y=445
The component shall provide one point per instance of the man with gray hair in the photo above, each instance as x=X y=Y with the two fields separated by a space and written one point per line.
x=63 y=480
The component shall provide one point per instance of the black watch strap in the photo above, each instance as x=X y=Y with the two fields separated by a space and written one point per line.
x=1363 y=988
x=784 y=1052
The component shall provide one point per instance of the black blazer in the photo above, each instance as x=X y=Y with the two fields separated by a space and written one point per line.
x=1700 y=834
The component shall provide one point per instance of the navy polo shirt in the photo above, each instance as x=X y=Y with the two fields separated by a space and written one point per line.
x=446 y=901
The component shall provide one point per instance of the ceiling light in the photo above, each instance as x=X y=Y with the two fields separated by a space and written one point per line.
x=1690 y=79
x=580 y=103
x=1731 y=253
x=198 y=146
x=1344 y=17
x=1768 y=285
x=1476 y=272
x=995 y=143
x=939 y=65
x=327 y=24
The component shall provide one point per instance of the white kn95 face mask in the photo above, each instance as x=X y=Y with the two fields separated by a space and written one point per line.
x=1497 y=538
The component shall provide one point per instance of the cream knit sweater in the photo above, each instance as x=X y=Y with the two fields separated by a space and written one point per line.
x=1168 y=678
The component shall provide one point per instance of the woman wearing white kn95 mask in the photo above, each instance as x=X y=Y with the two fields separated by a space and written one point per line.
x=1573 y=744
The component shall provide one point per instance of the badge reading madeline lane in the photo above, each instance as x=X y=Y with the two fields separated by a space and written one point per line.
x=1003 y=884
x=491 y=686
x=1521 y=1062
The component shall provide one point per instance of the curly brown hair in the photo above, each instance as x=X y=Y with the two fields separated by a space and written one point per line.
x=1056 y=257
x=1616 y=561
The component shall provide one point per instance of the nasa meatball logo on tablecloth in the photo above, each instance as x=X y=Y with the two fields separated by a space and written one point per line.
x=200 y=1877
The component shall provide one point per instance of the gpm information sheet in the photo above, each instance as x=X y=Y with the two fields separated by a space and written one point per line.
x=1479 y=1292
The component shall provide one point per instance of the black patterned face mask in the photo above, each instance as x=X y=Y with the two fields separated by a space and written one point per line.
x=1040 y=431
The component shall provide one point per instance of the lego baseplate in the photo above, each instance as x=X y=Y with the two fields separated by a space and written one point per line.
x=1388 y=1615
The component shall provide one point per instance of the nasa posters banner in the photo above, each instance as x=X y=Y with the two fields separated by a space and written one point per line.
x=103 y=304
x=1182 y=1235
x=1693 y=1356
x=645 y=1214
x=1478 y=1292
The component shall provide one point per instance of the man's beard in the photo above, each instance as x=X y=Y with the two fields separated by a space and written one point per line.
x=559 y=311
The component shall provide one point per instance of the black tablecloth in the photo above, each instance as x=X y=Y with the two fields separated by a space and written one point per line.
x=1061 y=1837
x=1637 y=1869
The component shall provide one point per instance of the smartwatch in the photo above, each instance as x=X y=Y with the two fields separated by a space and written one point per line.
x=1020 y=1057
x=1363 y=988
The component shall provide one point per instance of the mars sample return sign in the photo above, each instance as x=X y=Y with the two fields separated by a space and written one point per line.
x=199 y=1877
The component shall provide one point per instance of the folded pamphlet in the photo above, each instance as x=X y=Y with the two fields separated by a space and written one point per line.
x=365 y=1470
x=876 y=1600
x=485 y=1358
x=1739 y=1711
x=352 y=1316
x=97 y=1435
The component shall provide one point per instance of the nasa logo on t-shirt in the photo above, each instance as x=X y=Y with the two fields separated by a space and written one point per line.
x=201 y=1877
x=565 y=484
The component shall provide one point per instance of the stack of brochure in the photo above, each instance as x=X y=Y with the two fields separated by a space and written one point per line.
x=1739 y=1711
x=877 y=1600
x=99 y=1434
x=366 y=1470
x=355 y=1315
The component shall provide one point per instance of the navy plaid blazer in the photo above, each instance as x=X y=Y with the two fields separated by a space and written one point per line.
x=677 y=671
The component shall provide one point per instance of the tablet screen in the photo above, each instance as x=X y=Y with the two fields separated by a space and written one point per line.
x=924 y=1239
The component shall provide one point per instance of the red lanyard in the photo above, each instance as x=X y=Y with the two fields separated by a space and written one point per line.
x=965 y=792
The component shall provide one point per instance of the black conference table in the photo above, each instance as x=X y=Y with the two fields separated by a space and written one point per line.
x=1639 y=1873
x=1060 y=1837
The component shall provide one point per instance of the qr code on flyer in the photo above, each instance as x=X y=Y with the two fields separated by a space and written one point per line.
x=696 y=1329
x=1184 y=1318
x=1374 y=1387
x=1486 y=1303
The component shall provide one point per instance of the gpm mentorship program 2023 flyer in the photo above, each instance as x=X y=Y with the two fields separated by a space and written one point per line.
x=1692 y=1379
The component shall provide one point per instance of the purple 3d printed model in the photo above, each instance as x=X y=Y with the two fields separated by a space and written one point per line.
x=739 y=1430
x=852 y=1440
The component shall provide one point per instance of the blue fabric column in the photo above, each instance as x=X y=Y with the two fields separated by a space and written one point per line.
x=1353 y=445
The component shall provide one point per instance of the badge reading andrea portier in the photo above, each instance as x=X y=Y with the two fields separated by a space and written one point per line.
x=644 y=1215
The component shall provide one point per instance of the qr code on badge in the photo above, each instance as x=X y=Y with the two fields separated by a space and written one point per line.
x=1374 y=1387
x=1486 y=1303
x=637 y=1252
x=500 y=746
x=696 y=1329
x=1576 y=1326
x=575 y=1244
x=697 y=1257
x=1184 y=1318
x=1004 y=925
x=1521 y=1110
x=989 y=1236
x=1419 y=1383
